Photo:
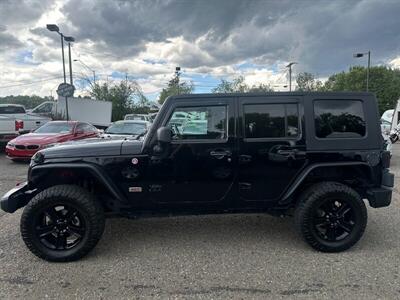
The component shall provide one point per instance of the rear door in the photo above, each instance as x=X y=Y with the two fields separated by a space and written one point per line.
x=271 y=147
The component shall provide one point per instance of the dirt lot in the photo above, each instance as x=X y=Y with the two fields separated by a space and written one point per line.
x=240 y=256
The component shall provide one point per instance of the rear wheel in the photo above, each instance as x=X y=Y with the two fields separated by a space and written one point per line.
x=331 y=216
x=62 y=223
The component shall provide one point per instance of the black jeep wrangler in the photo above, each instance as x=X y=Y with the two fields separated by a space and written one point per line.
x=316 y=156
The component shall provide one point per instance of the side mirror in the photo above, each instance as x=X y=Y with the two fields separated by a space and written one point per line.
x=164 y=134
x=23 y=131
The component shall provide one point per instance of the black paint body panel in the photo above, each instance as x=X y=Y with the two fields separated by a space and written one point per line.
x=250 y=174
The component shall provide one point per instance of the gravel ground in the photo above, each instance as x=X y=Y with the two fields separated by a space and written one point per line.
x=231 y=256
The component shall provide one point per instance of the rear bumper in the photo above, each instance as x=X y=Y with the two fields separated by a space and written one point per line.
x=16 y=198
x=382 y=196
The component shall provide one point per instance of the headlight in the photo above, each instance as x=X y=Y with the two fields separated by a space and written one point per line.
x=48 y=145
x=11 y=145
x=37 y=158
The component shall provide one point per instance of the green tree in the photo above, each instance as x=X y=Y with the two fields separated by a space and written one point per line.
x=126 y=97
x=28 y=101
x=238 y=85
x=306 y=82
x=383 y=81
x=175 y=87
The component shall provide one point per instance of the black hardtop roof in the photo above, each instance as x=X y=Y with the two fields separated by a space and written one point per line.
x=337 y=95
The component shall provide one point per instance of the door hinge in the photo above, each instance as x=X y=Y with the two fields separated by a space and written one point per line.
x=155 y=188
x=244 y=186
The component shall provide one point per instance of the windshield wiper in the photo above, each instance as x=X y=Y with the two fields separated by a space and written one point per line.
x=141 y=134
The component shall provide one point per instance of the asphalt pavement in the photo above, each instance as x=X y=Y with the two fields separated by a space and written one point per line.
x=205 y=257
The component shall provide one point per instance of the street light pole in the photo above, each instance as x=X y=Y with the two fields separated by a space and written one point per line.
x=62 y=51
x=69 y=39
x=290 y=74
x=357 y=55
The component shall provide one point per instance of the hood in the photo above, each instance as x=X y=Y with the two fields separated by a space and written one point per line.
x=116 y=136
x=92 y=148
x=39 y=138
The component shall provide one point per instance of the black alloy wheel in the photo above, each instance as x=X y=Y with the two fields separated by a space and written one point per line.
x=60 y=227
x=334 y=220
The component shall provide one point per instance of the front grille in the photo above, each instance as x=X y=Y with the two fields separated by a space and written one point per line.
x=29 y=147
x=32 y=147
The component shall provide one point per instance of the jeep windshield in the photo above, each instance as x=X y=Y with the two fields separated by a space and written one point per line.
x=126 y=128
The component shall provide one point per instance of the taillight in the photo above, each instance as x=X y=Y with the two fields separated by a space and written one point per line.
x=385 y=159
x=19 y=125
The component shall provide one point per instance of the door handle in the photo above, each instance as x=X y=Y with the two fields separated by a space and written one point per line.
x=245 y=159
x=220 y=154
x=291 y=153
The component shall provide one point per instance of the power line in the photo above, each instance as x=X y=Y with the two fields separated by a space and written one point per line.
x=29 y=83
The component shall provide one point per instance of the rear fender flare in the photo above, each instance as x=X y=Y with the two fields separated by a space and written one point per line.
x=303 y=175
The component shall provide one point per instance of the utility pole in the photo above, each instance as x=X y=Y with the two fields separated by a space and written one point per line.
x=290 y=74
x=177 y=74
x=369 y=64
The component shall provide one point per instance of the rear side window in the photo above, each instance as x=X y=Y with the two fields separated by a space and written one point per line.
x=339 y=119
x=11 y=110
x=271 y=120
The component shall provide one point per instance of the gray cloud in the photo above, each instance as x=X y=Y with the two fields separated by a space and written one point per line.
x=320 y=35
x=8 y=42
x=22 y=11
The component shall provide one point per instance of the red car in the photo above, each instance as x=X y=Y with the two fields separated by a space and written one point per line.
x=25 y=146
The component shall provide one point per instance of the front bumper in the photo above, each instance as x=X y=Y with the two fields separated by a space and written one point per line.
x=16 y=198
x=382 y=196
x=19 y=154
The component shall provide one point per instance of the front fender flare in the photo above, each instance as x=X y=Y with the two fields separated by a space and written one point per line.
x=95 y=171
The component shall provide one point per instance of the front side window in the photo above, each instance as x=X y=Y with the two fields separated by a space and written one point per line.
x=271 y=120
x=205 y=122
x=339 y=119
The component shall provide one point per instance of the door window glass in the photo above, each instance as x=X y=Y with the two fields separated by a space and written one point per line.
x=339 y=119
x=271 y=120
x=205 y=122
x=12 y=109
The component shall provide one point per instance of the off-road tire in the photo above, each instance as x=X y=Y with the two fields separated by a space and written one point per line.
x=312 y=197
x=89 y=208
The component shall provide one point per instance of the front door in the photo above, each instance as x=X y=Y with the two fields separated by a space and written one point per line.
x=271 y=150
x=197 y=168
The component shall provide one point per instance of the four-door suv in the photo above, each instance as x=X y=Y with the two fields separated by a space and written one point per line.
x=315 y=155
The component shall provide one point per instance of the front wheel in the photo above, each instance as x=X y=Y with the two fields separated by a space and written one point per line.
x=331 y=216
x=62 y=223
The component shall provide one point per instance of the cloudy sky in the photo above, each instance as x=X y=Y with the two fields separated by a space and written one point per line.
x=208 y=39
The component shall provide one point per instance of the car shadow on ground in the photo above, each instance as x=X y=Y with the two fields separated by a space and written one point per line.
x=210 y=231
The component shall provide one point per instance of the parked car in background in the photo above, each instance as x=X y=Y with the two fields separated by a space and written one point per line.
x=52 y=133
x=18 y=112
x=124 y=128
x=98 y=113
x=142 y=117
x=8 y=129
